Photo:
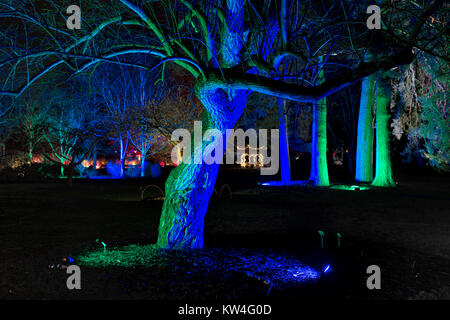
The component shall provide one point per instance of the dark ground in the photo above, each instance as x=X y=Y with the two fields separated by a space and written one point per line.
x=405 y=231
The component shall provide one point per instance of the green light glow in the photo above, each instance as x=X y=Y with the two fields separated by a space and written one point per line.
x=280 y=269
x=351 y=188
x=383 y=172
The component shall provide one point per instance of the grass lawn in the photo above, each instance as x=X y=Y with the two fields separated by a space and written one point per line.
x=405 y=231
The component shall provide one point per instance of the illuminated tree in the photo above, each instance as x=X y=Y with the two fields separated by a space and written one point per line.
x=364 y=146
x=28 y=125
x=230 y=48
x=116 y=88
x=70 y=136
x=383 y=164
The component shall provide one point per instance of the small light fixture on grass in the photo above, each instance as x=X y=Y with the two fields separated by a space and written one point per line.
x=103 y=244
x=321 y=233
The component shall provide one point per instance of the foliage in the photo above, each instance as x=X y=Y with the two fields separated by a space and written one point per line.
x=423 y=114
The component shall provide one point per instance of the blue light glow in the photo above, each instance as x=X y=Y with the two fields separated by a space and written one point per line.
x=286 y=184
x=327 y=268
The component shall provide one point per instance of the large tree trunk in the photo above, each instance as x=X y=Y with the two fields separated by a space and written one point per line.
x=94 y=158
x=383 y=168
x=143 y=164
x=364 y=140
x=285 y=163
x=190 y=186
x=319 y=167
x=122 y=158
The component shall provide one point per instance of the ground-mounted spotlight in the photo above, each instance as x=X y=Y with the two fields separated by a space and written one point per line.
x=327 y=269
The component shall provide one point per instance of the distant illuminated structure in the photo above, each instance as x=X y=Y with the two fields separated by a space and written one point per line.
x=253 y=159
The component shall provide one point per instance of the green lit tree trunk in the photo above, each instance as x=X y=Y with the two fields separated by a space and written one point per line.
x=319 y=167
x=122 y=157
x=383 y=167
x=364 y=140
x=189 y=186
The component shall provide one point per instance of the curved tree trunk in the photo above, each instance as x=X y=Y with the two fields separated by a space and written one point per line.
x=190 y=186
x=364 y=140
x=143 y=164
x=383 y=172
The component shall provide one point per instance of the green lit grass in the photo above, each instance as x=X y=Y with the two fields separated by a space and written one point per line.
x=128 y=256
x=351 y=188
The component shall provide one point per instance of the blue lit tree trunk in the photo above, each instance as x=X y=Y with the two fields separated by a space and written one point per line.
x=319 y=166
x=190 y=186
x=144 y=155
x=285 y=163
x=383 y=167
x=364 y=140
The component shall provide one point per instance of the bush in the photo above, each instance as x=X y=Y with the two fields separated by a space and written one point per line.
x=113 y=169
